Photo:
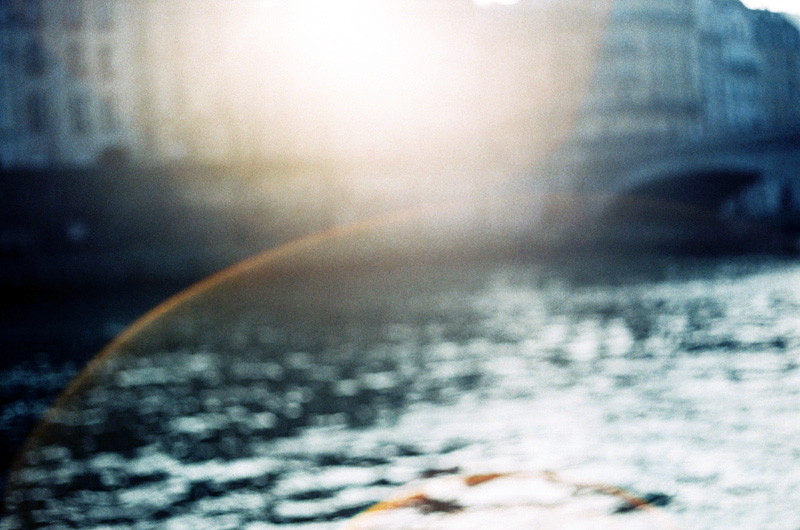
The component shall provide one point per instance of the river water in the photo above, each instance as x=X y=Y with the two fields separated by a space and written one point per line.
x=676 y=377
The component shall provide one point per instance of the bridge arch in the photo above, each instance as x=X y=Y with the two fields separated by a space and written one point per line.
x=702 y=181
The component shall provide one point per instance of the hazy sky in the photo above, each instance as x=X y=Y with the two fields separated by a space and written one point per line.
x=787 y=6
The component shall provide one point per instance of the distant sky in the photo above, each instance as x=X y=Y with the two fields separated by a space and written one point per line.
x=786 y=6
x=485 y=3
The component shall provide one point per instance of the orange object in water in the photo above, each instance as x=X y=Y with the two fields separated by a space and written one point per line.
x=542 y=501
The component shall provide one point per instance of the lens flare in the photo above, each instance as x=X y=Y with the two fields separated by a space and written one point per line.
x=351 y=39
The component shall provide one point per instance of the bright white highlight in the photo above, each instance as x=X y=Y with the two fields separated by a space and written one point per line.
x=783 y=6
x=353 y=40
x=486 y=3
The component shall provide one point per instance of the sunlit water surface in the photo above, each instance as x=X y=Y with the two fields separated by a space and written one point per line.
x=675 y=376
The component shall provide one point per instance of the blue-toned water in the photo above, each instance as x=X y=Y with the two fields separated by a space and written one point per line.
x=298 y=408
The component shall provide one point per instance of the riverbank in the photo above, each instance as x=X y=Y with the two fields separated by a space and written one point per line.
x=113 y=226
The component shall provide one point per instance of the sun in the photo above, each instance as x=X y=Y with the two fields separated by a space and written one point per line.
x=353 y=40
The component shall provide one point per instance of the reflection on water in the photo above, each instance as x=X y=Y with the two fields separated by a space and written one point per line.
x=299 y=409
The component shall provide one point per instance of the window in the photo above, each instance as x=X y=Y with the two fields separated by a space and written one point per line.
x=105 y=15
x=109 y=120
x=32 y=14
x=79 y=114
x=22 y=14
x=106 y=62
x=36 y=112
x=9 y=56
x=73 y=14
x=75 y=63
x=34 y=58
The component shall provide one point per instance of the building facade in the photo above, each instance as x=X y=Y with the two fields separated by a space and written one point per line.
x=68 y=95
x=646 y=80
x=778 y=41
x=88 y=82
x=692 y=70
x=731 y=68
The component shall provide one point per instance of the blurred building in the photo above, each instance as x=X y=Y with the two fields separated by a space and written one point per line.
x=778 y=41
x=67 y=94
x=731 y=68
x=170 y=81
x=647 y=80
x=88 y=82
x=692 y=70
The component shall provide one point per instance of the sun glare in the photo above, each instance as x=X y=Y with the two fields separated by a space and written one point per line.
x=486 y=3
x=411 y=80
x=352 y=39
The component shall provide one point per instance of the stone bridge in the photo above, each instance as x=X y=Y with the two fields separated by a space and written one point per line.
x=703 y=174
x=650 y=192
